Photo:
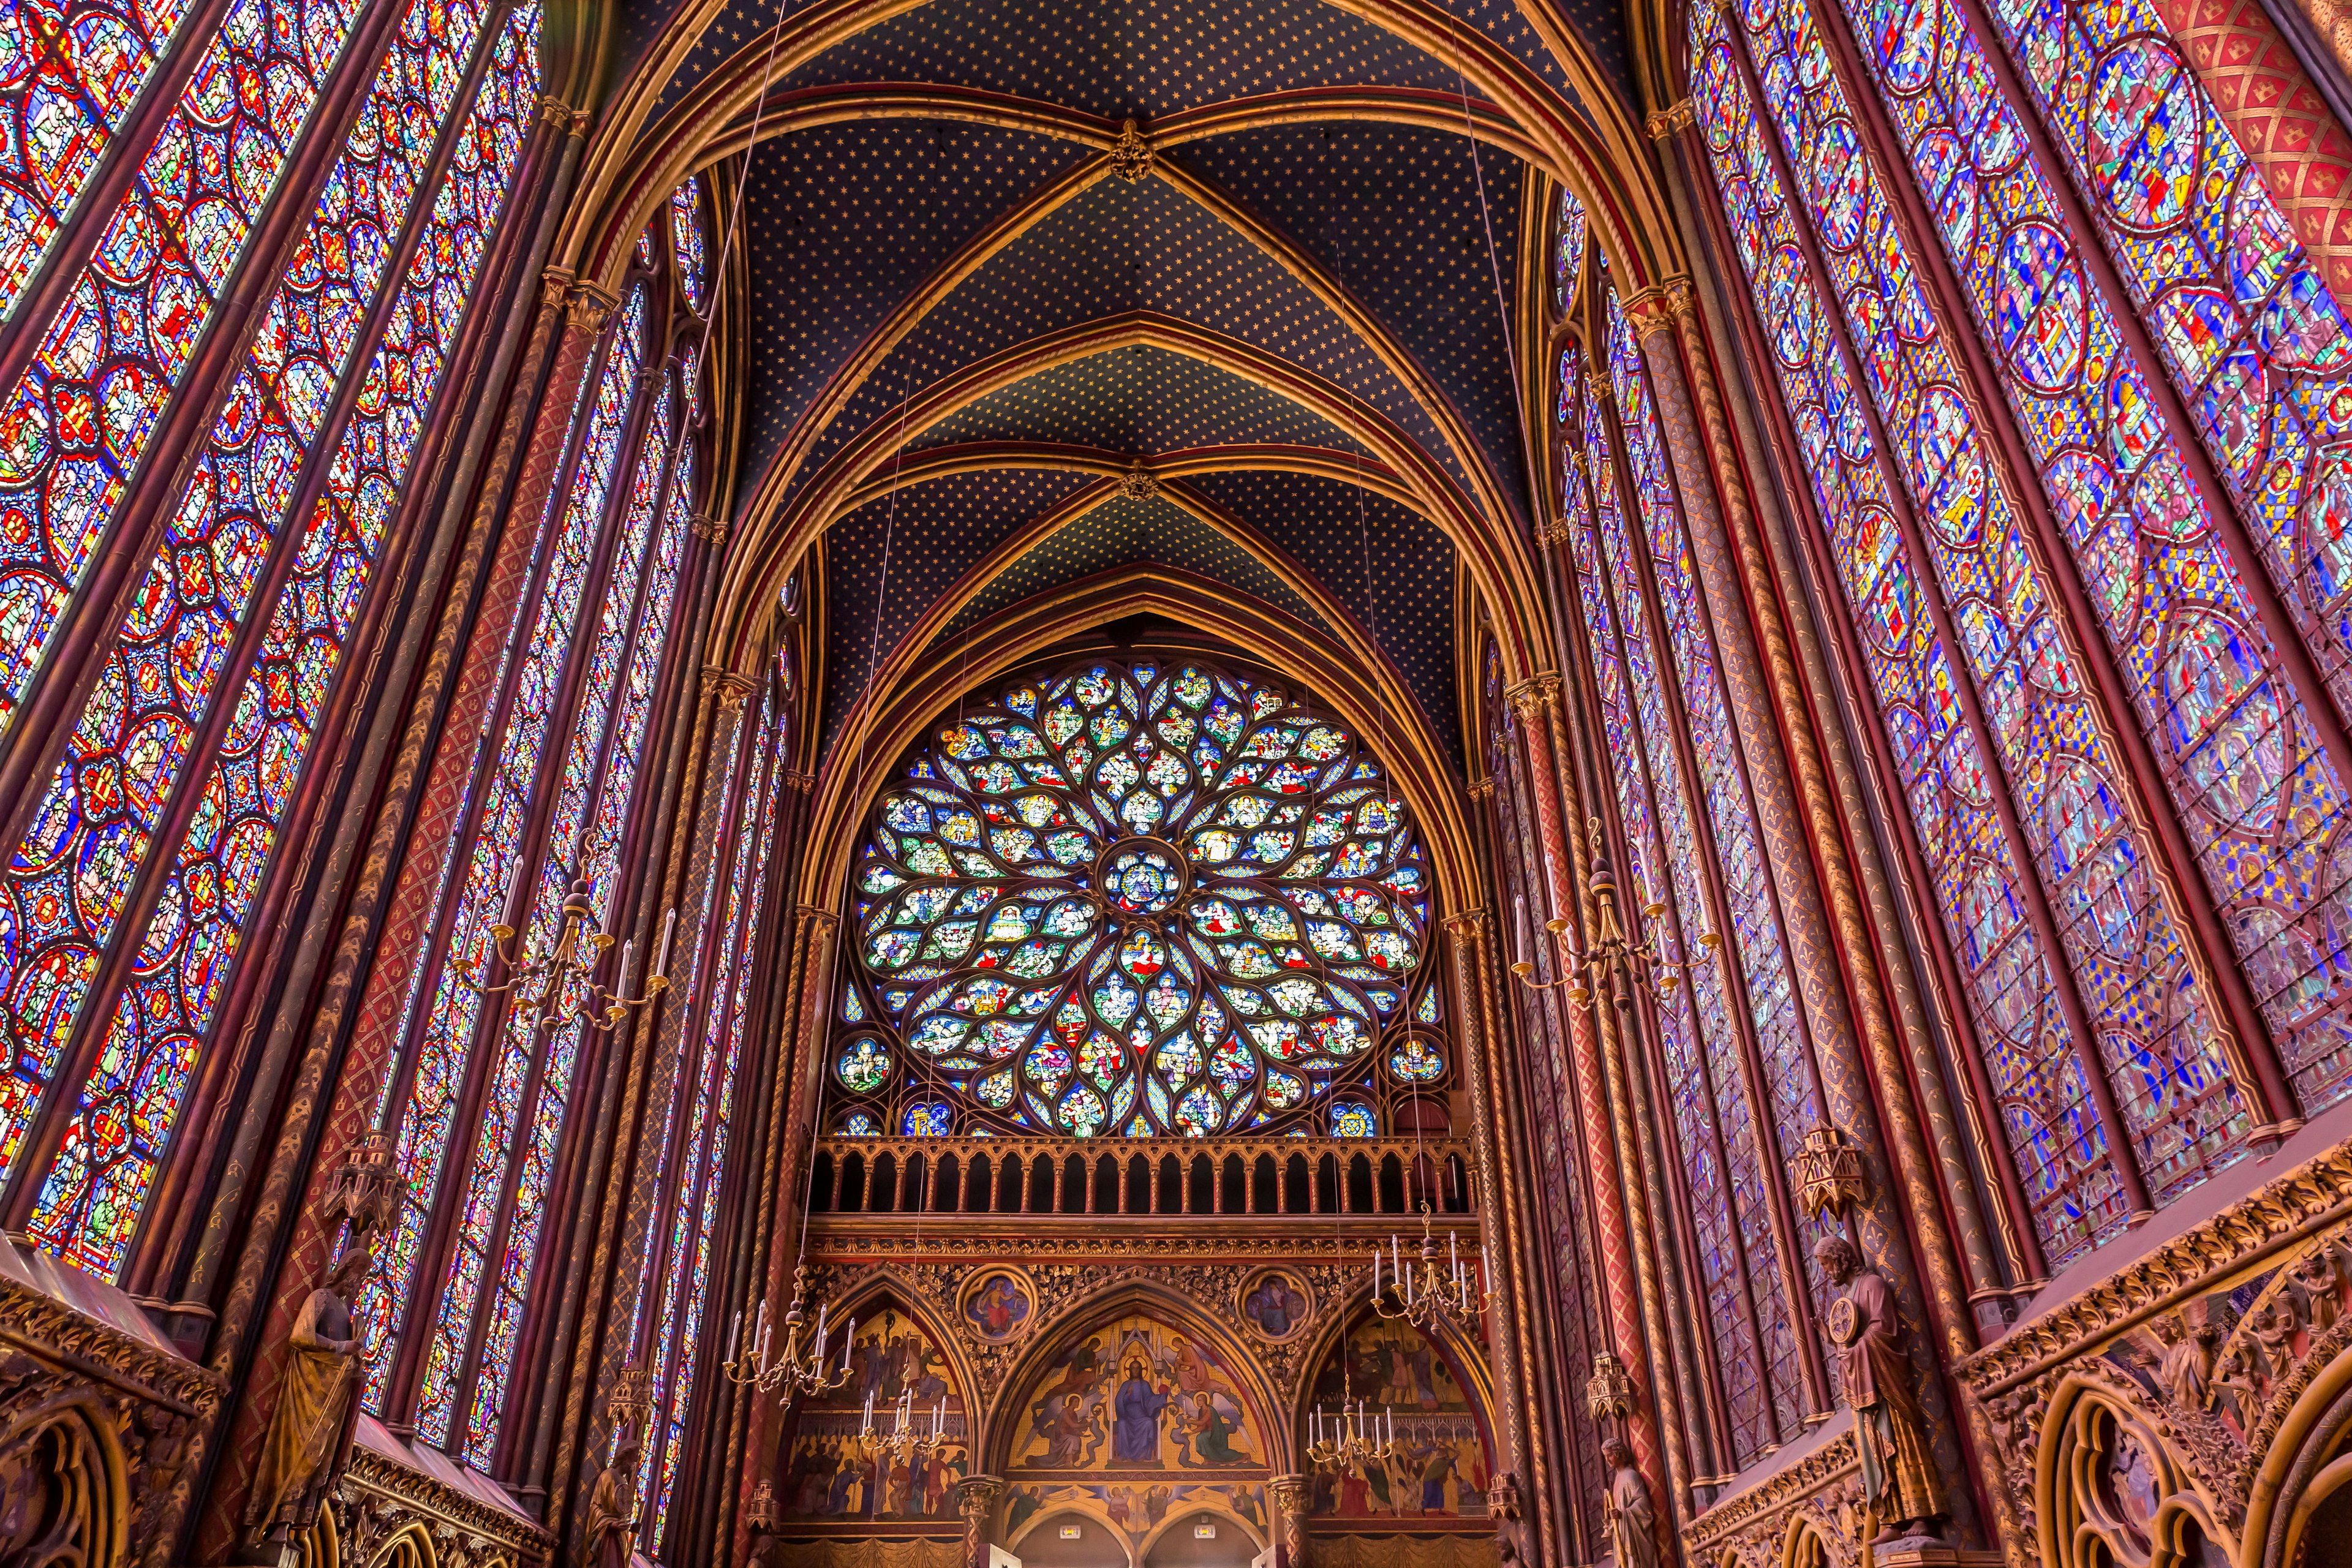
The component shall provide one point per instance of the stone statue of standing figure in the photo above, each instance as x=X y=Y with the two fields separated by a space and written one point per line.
x=307 y=1428
x=1899 y=1480
x=1633 y=1520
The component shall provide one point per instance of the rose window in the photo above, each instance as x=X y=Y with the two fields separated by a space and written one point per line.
x=1142 y=900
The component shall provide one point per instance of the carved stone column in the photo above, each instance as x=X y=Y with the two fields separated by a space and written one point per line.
x=1293 y=1496
x=976 y=1500
x=1795 y=816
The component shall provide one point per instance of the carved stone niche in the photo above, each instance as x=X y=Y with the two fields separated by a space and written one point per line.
x=400 y=1506
x=98 y=1420
x=2189 y=1408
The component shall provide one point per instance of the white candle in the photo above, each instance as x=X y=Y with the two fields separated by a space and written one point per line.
x=734 y=1330
x=822 y=1308
x=1451 y=1257
x=846 y=1341
x=627 y=948
x=669 y=927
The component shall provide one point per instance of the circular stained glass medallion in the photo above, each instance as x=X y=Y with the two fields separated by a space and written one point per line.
x=1141 y=877
x=1142 y=898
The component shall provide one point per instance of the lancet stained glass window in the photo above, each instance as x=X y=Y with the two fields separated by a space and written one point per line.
x=1712 y=1095
x=134 y=742
x=75 y=427
x=1151 y=899
x=2245 y=329
x=2242 y=324
x=69 y=76
x=499 y=849
x=506 y=788
x=685 y=1272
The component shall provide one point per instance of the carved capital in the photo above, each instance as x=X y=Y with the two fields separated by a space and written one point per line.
x=800 y=783
x=1682 y=299
x=1675 y=117
x=1597 y=385
x=555 y=287
x=1649 y=310
x=712 y=531
x=975 y=1499
x=1482 y=789
x=590 y=306
x=557 y=115
x=731 y=689
x=1552 y=531
x=1466 y=927
x=1530 y=696
x=1131 y=154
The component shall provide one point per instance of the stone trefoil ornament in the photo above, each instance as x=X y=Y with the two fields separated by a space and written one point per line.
x=1900 y=1486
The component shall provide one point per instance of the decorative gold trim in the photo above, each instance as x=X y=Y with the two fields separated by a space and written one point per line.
x=1677 y=116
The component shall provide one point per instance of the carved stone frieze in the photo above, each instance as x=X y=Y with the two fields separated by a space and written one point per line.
x=78 y=1365
x=1823 y=1488
x=379 y=1498
x=2179 y=1367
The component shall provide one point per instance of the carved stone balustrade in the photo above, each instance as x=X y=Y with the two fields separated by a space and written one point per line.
x=1230 y=1178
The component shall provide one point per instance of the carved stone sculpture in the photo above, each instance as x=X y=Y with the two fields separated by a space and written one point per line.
x=1504 y=1507
x=612 y=1504
x=1626 y=1509
x=306 y=1430
x=2187 y=1369
x=1899 y=1482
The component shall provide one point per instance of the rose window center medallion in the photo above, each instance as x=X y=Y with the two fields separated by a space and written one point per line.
x=1141 y=877
x=1137 y=898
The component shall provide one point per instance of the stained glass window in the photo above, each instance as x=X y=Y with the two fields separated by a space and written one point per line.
x=685 y=239
x=1150 y=898
x=1713 y=1095
x=503 y=791
x=522 y=1114
x=138 y=734
x=2238 y=765
x=76 y=424
x=686 y=1267
x=1567 y=249
x=2244 y=326
x=72 y=76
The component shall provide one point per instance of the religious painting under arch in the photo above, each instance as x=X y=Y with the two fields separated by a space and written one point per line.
x=846 y=1471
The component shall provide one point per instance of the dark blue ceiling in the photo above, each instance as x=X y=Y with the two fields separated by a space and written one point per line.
x=848 y=223
x=1126 y=63
x=1121 y=248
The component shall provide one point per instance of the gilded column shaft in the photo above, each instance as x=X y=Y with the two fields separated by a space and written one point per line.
x=1504 y=1229
x=1629 y=1321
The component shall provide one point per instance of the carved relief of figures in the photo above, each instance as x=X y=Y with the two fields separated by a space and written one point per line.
x=1898 y=1473
x=307 y=1428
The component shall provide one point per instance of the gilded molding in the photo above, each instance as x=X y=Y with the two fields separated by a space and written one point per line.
x=1752 y=1525
x=2292 y=1208
x=381 y=1498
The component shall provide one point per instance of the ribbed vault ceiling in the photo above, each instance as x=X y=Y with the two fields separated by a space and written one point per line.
x=948 y=279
